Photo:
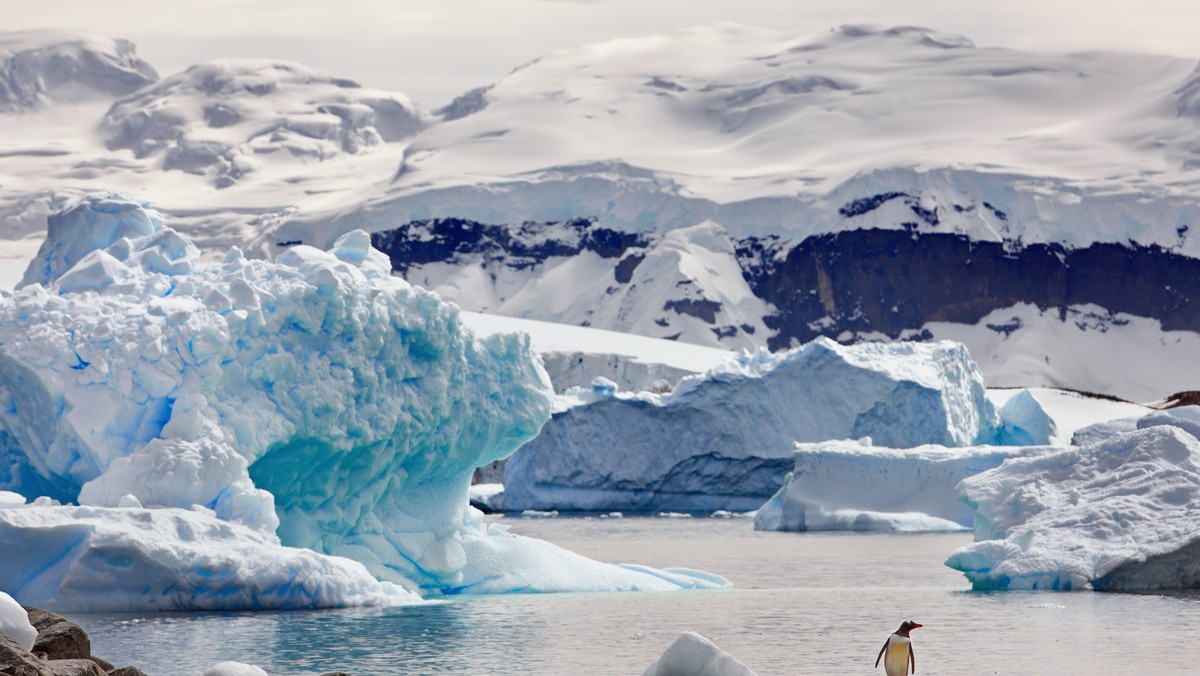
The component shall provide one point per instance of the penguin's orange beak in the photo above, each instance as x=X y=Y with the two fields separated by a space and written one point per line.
x=915 y=625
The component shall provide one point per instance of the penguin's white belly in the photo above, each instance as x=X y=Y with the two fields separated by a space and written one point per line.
x=895 y=660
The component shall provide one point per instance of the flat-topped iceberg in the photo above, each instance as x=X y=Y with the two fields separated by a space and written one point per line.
x=724 y=439
x=1114 y=515
x=69 y=558
x=315 y=399
x=848 y=485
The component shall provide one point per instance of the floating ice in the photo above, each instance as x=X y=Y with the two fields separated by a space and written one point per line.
x=724 y=440
x=14 y=622
x=234 y=669
x=1116 y=515
x=317 y=397
x=86 y=559
x=693 y=655
x=848 y=485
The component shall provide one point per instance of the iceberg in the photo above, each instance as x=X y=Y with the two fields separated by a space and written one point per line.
x=231 y=668
x=1115 y=515
x=848 y=485
x=14 y=622
x=181 y=559
x=312 y=402
x=693 y=655
x=724 y=439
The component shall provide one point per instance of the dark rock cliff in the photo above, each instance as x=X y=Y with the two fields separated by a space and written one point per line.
x=879 y=281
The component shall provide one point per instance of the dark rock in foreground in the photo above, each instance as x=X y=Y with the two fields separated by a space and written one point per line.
x=62 y=648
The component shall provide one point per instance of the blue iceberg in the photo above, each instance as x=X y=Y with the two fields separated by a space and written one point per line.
x=315 y=400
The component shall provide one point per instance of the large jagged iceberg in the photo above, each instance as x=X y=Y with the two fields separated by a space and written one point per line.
x=1114 y=515
x=724 y=440
x=316 y=397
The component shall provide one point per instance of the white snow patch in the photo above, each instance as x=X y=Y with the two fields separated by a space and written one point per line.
x=1075 y=350
x=14 y=622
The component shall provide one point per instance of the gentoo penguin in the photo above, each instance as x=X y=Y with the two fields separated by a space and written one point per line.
x=899 y=651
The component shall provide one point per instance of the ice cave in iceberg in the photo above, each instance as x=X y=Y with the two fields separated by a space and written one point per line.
x=217 y=416
x=1114 y=515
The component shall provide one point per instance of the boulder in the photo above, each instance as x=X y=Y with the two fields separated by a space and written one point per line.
x=57 y=638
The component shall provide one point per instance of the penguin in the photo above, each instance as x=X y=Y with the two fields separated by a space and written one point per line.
x=899 y=651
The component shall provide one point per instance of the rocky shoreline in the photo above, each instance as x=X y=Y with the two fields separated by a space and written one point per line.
x=62 y=648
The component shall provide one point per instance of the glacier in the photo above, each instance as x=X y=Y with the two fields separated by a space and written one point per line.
x=1118 y=514
x=315 y=401
x=724 y=439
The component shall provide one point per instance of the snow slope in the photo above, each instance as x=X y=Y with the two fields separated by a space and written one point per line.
x=1024 y=346
x=767 y=132
x=43 y=68
x=575 y=356
x=225 y=119
x=687 y=286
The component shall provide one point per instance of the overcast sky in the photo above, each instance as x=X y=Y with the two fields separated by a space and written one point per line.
x=433 y=50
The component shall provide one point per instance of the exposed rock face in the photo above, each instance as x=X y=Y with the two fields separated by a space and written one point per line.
x=16 y=661
x=517 y=246
x=889 y=282
x=877 y=282
x=62 y=648
x=57 y=638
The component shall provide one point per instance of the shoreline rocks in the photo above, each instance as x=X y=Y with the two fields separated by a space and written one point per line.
x=62 y=648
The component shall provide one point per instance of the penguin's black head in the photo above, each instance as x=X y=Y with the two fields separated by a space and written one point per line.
x=908 y=626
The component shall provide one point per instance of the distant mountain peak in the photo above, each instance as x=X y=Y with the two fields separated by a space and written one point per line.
x=41 y=67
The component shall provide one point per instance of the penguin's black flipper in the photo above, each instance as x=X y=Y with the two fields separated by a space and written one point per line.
x=881 y=651
x=912 y=657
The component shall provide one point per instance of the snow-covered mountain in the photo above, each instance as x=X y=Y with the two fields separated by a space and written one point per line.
x=40 y=68
x=726 y=186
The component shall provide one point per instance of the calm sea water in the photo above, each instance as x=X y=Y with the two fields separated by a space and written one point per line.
x=817 y=603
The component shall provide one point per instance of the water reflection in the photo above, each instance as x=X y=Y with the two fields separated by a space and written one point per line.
x=803 y=604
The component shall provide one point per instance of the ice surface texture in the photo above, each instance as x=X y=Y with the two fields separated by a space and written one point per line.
x=14 y=622
x=39 y=67
x=1114 y=515
x=724 y=440
x=316 y=395
x=216 y=119
x=81 y=559
x=693 y=655
x=845 y=485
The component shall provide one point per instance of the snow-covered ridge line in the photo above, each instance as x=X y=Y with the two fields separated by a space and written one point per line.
x=43 y=68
